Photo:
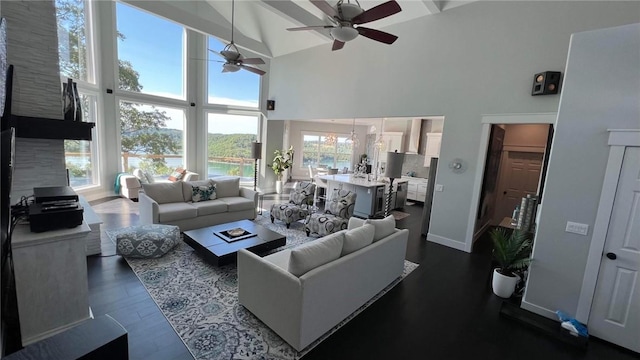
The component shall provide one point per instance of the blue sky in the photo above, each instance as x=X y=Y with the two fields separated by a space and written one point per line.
x=154 y=47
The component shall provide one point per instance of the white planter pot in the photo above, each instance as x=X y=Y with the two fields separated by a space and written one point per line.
x=279 y=186
x=503 y=286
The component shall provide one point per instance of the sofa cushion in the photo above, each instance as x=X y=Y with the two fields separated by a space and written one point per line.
x=176 y=211
x=384 y=227
x=280 y=259
x=237 y=203
x=164 y=193
x=355 y=222
x=316 y=253
x=227 y=186
x=177 y=174
x=357 y=238
x=203 y=193
x=187 y=188
x=210 y=207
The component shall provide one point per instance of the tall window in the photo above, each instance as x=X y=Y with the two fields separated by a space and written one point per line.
x=81 y=156
x=76 y=62
x=317 y=151
x=74 y=40
x=152 y=138
x=229 y=140
x=150 y=52
x=241 y=88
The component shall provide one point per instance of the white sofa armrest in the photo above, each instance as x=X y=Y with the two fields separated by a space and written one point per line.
x=251 y=195
x=271 y=293
x=191 y=176
x=148 y=208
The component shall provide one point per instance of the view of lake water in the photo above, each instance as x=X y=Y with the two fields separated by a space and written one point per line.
x=214 y=169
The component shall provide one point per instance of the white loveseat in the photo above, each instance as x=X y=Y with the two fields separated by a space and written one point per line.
x=300 y=295
x=130 y=185
x=172 y=203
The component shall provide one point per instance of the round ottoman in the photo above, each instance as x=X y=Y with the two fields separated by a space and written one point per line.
x=146 y=241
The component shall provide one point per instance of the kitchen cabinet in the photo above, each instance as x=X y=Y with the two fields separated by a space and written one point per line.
x=416 y=188
x=432 y=148
x=392 y=141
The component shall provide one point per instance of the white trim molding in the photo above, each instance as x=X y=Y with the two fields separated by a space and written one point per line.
x=446 y=241
x=618 y=141
x=487 y=121
x=536 y=309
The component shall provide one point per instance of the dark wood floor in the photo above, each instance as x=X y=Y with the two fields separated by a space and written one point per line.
x=443 y=310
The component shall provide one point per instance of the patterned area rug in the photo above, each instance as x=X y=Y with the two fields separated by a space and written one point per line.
x=399 y=215
x=201 y=302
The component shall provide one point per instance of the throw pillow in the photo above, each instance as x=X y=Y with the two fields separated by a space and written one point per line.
x=141 y=176
x=164 y=193
x=150 y=178
x=177 y=175
x=354 y=222
x=357 y=238
x=202 y=193
x=316 y=253
x=227 y=186
x=384 y=227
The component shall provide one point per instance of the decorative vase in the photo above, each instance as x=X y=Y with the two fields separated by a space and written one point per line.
x=77 y=102
x=68 y=101
x=503 y=285
x=279 y=186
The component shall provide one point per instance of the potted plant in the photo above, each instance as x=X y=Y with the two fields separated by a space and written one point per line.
x=511 y=250
x=282 y=160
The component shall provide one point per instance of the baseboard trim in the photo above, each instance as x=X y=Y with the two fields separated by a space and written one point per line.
x=536 y=309
x=445 y=241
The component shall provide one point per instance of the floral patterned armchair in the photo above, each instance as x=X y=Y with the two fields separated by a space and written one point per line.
x=336 y=215
x=300 y=202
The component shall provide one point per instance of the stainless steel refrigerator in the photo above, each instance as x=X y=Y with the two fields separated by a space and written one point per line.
x=428 y=199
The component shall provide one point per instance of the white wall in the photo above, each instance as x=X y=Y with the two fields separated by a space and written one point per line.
x=471 y=60
x=601 y=91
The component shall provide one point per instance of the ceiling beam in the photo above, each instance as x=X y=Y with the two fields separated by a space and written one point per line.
x=201 y=17
x=296 y=14
x=433 y=6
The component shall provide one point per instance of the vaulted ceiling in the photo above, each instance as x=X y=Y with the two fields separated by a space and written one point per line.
x=260 y=25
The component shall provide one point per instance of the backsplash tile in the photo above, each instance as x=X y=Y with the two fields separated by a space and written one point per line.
x=415 y=163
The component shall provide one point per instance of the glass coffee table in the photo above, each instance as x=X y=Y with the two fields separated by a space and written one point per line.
x=218 y=245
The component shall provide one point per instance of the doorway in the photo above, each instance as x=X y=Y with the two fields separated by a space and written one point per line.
x=514 y=168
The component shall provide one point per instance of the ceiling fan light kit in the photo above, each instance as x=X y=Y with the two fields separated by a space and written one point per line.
x=344 y=17
x=234 y=61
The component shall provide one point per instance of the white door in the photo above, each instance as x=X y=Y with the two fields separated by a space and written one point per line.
x=615 y=313
x=520 y=177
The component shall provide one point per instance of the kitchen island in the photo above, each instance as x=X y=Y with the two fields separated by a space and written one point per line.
x=370 y=195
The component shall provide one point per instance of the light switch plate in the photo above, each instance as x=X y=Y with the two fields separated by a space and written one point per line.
x=439 y=187
x=577 y=228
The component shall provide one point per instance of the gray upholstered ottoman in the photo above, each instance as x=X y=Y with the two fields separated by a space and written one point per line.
x=146 y=241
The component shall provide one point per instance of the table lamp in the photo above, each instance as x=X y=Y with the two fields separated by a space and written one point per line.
x=392 y=170
x=256 y=154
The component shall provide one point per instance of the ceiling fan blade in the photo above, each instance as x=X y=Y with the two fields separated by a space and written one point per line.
x=325 y=7
x=377 y=12
x=252 y=61
x=377 y=35
x=253 y=70
x=337 y=45
x=311 y=27
x=215 y=52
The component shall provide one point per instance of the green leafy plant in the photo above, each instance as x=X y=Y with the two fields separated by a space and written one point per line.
x=282 y=160
x=511 y=250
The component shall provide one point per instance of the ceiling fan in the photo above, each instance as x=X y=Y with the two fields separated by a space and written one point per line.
x=234 y=61
x=346 y=15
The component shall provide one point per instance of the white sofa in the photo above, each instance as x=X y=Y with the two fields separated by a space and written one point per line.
x=301 y=306
x=130 y=185
x=172 y=203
